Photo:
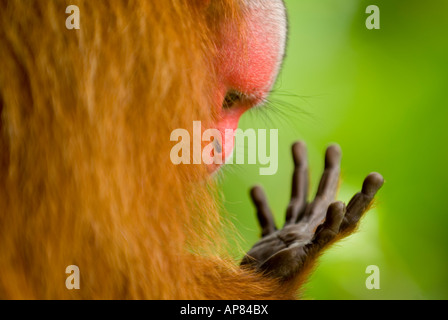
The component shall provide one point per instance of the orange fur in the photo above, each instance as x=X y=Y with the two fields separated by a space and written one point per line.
x=85 y=175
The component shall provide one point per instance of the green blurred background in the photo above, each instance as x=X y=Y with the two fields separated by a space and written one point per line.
x=382 y=95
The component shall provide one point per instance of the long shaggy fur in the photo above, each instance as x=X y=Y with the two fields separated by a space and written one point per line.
x=85 y=172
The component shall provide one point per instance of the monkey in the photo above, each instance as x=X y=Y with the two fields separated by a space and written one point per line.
x=85 y=175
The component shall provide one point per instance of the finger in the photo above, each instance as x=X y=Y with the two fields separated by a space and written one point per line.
x=264 y=213
x=330 y=228
x=361 y=201
x=316 y=211
x=330 y=178
x=299 y=193
x=300 y=179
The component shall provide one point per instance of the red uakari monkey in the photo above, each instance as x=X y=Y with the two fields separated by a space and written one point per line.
x=85 y=171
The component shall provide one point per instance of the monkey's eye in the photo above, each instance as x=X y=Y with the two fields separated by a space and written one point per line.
x=232 y=97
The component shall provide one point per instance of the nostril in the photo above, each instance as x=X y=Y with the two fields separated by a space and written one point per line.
x=218 y=146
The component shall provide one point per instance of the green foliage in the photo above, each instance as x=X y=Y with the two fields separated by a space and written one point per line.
x=380 y=94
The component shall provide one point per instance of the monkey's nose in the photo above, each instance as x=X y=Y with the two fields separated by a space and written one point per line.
x=218 y=146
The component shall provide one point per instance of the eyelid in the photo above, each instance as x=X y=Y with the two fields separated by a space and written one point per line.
x=232 y=97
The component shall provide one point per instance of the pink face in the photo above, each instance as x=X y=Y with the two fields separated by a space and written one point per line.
x=248 y=68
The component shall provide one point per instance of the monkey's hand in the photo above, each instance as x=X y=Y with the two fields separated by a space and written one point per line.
x=310 y=227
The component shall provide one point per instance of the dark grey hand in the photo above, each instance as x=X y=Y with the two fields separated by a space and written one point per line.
x=310 y=227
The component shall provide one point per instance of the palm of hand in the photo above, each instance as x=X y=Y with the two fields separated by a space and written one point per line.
x=310 y=226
